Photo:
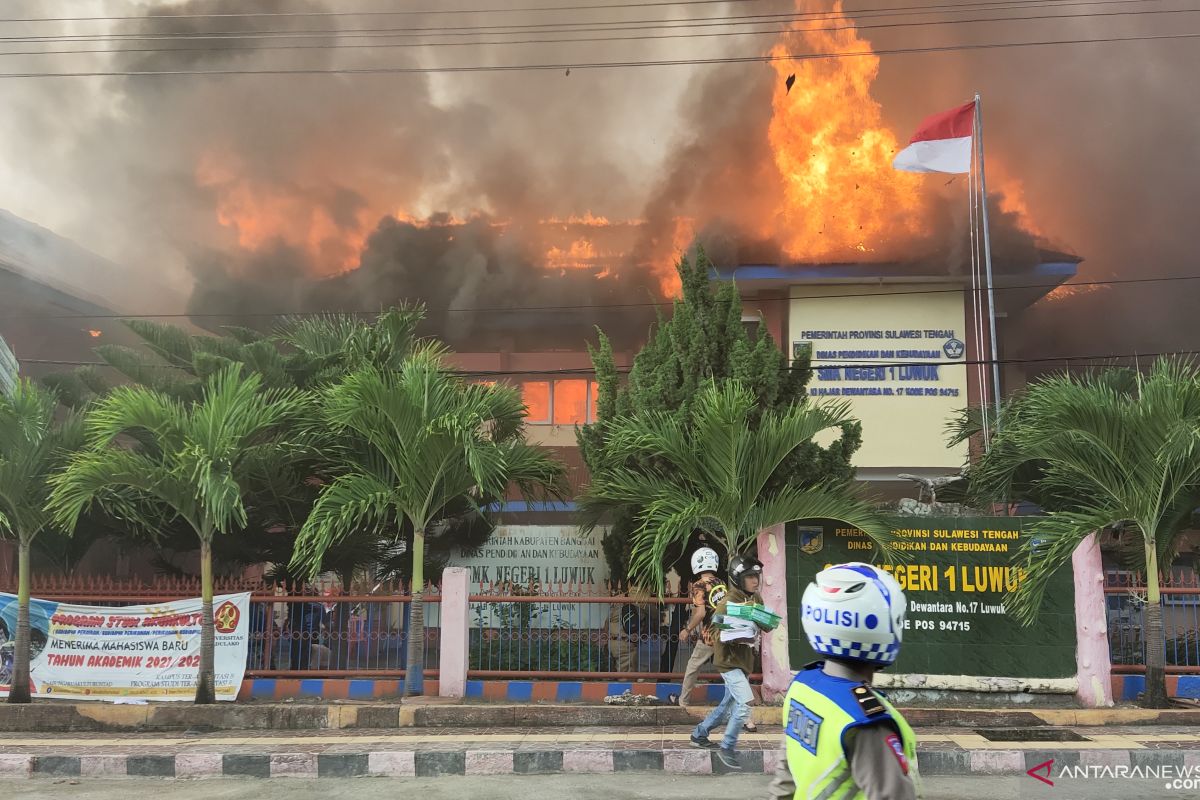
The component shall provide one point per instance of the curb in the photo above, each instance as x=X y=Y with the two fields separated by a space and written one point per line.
x=432 y=764
x=56 y=717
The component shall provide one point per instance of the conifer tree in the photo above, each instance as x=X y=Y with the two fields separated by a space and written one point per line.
x=704 y=339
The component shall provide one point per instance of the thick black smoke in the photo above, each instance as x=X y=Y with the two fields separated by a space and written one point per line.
x=155 y=171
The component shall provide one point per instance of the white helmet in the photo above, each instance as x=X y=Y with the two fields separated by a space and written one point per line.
x=705 y=560
x=855 y=612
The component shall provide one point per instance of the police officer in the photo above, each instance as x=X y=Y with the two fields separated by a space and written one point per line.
x=842 y=738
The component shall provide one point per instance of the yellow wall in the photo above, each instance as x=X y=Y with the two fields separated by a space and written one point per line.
x=900 y=429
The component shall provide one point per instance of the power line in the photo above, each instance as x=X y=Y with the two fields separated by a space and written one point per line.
x=597 y=65
x=594 y=39
x=377 y=13
x=568 y=27
x=587 y=306
x=639 y=6
x=625 y=369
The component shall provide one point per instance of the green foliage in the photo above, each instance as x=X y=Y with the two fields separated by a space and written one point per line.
x=410 y=442
x=1107 y=449
x=713 y=471
x=1101 y=450
x=406 y=444
x=33 y=447
x=188 y=463
x=705 y=340
x=151 y=460
x=305 y=353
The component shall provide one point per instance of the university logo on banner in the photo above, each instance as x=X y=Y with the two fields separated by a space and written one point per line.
x=226 y=618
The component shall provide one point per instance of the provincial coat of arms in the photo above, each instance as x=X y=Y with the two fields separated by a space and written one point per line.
x=811 y=540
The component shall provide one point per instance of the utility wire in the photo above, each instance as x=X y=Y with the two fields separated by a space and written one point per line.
x=586 y=306
x=950 y=6
x=594 y=65
x=377 y=13
x=565 y=27
x=594 y=39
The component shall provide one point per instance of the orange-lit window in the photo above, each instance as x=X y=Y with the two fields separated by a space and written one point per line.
x=593 y=394
x=570 y=402
x=537 y=399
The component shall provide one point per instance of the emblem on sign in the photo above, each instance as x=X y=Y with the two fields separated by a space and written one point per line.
x=811 y=540
x=954 y=348
x=226 y=618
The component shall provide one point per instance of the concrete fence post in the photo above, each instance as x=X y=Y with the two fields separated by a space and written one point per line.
x=777 y=669
x=456 y=629
x=1093 y=662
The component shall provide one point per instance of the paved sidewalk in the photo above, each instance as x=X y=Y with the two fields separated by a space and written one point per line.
x=504 y=751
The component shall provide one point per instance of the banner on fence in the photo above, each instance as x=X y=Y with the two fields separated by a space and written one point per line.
x=957 y=579
x=149 y=652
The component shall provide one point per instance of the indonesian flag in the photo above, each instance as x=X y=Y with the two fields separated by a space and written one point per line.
x=941 y=144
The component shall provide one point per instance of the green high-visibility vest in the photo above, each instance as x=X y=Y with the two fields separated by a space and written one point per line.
x=818 y=713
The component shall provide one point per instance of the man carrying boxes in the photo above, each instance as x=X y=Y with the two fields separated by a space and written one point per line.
x=737 y=622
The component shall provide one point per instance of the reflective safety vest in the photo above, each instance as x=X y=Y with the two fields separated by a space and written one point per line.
x=820 y=710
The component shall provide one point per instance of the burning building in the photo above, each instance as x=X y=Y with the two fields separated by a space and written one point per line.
x=523 y=217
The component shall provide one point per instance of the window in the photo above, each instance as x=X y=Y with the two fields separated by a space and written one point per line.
x=570 y=402
x=537 y=399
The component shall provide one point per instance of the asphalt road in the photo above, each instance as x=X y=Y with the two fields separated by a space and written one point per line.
x=551 y=787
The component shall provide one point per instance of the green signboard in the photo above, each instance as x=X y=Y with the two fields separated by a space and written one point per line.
x=8 y=368
x=957 y=573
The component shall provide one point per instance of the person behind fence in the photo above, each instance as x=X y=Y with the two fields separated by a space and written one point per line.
x=733 y=655
x=304 y=628
x=706 y=592
x=623 y=630
x=842 y=738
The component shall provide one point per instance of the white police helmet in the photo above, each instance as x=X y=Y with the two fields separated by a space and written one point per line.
x=705 y=560
x=855 y=612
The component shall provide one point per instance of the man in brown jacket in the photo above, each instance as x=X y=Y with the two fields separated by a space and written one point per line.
x=734 y=658
x=707 y=591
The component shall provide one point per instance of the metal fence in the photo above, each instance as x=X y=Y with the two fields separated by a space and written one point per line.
x=577 y=632
x=1125 y=600
x=295 y=631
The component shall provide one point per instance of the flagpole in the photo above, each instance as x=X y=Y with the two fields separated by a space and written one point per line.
x=987 y=255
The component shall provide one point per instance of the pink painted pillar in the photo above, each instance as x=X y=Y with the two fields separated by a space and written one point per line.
x=456 y=628
x=1094 y=668
x=777 y=669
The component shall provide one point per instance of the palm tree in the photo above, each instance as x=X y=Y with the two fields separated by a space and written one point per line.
x=153 y=460
x=713 y=472
x=303 y=352
x=1101 y=453
x=33 y=446
x=412 y=442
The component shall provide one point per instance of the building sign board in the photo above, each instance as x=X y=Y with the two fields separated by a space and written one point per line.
x=899 y=359
x=956 y=578
x=529 y=557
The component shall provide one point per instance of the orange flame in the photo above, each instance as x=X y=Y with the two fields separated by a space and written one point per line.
x=1068 y=291
x=842 y=198
x=263 y=215
x=576 y=256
